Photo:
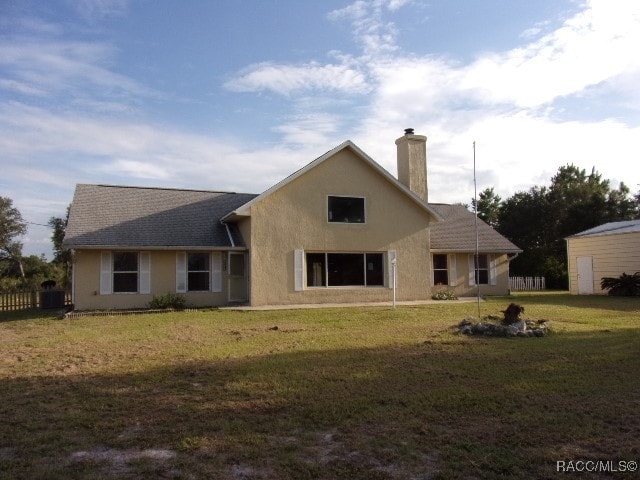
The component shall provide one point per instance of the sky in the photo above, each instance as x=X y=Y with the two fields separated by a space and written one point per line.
x=235 y=95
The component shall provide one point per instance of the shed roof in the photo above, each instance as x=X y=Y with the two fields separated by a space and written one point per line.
x=611 y=228
x=120 y=216
x=456 y=233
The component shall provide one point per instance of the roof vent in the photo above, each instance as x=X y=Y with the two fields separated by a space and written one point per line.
x=408 y=131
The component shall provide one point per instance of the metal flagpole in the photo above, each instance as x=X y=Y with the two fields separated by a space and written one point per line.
x=476 y=259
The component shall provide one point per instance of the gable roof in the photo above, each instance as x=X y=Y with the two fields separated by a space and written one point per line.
x=244 y=210
x=611 y=228
x=117 y=216
x=457 y=233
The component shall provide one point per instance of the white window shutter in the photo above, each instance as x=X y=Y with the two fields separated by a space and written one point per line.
x=145 y=272
x=453 y=274
x=472 y=270
x=105 y=273
x=493 y=274
x=298 y=270
x=181 y=272
x=216 y=271
x=391 y=256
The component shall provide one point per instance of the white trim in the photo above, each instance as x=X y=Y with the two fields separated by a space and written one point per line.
x=493 y=271
x=181 y=272
x=106 y=285
x=216 y=271
x=298 y=270
x=73 y=276
x=144 y=267
x=131 y=248
x=472 y=270
x=453 y=273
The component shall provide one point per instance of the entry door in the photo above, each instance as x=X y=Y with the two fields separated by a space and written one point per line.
x=237 y=277
x=585 y=275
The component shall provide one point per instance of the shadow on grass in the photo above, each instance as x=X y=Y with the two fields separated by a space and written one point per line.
x=31 y=314
x=498 y=408
x=604 y=302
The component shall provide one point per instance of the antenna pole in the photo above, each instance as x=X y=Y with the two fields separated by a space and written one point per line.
x=476 y=259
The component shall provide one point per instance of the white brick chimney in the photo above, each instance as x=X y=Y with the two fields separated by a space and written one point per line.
x=412 y=162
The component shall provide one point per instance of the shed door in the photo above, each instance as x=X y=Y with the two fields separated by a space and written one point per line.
x=585 y=275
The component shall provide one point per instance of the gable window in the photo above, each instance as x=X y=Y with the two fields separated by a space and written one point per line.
x=440 y=269
x=345 y=209
x=125 y=272
x=198 y=273
x=345 y=269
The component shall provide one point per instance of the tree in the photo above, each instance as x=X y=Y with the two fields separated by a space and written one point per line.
x=11 y=226
x=488 y=206
x=539 y=220
x=61 y=255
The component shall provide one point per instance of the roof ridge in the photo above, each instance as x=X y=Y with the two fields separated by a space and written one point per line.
x=164 y=188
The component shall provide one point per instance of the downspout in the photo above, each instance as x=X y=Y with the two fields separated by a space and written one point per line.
x=228 y=233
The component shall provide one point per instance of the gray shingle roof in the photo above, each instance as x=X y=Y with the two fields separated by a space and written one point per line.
x=116 y=216
x=457 y=232
x=611 y=228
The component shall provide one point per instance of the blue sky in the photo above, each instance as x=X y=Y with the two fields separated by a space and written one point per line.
x=236 y=94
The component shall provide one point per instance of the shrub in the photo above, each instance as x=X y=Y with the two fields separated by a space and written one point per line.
x=168 y=300
x=622 y=286
x=444 y=295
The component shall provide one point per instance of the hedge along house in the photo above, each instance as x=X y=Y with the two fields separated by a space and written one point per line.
x=327 y=233
x=607 y=250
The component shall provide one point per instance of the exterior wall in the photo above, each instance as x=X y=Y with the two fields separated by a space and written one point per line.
x=163 y=280
x=612 y=255
x=459 y=282
x=295 y=217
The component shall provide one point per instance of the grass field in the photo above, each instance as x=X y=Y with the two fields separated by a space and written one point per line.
x=354 y=393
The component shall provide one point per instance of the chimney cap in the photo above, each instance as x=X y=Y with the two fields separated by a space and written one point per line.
x=408 y=131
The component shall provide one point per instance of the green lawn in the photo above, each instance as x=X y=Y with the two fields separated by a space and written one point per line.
x=354 y=393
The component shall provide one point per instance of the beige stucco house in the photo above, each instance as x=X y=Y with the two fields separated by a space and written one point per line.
x=334 y=231
x=608 y=250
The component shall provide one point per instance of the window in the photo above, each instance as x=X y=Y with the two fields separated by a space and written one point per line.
x=480 y=269
x=198 y=272
x=345 y=210
x=440 y=269
x=345 y=269
x=125 y=272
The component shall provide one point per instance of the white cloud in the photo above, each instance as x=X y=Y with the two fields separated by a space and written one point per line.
x=375 y=36
x=48 y=66
x=594 y=46
x=96 y=9
x=287 y=79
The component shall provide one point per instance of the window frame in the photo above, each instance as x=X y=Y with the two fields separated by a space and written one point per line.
x=445 y=269
x=326 y=277
x=336 y=222
x=208 y=271
x=115 y=272
x=477 y=269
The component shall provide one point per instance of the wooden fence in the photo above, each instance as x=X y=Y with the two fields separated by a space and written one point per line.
x=21 y=300
x=522 y=284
